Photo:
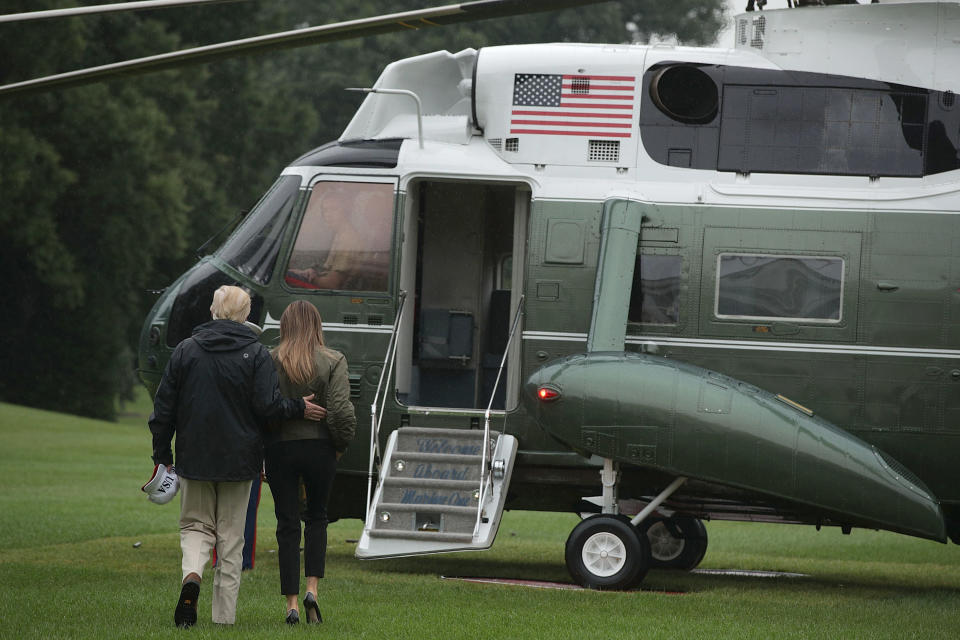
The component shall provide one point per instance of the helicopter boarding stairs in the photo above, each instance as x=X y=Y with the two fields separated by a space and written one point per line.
x=437 y=489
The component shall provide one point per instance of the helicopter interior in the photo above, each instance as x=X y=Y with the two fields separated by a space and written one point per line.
x=459 y=242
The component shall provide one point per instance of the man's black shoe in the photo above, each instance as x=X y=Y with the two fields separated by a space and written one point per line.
x=185 y=615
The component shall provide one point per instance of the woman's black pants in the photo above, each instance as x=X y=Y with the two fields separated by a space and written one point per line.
x=287 y=463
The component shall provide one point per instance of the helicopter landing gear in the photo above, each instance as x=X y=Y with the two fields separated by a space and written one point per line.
x=675 y=543
x=610 y=551
x=605 y=552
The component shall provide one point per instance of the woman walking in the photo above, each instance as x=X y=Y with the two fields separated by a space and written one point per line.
x=301 y=450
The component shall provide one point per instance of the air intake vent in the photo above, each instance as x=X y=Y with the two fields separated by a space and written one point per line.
x=355 y=386
x=603 y=151
x=948 y=99
x=901 y=470
x=350 y=318
x=375 y=321
x=496 y=143
x=580 y=85
x=759 y=30
x=742 y=31
x=512 y=144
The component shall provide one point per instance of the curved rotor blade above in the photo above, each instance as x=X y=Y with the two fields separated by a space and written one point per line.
x=437 y=16
x=50 y=14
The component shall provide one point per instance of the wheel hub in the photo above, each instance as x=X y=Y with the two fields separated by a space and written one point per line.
x=604 y=554
x=663 y=546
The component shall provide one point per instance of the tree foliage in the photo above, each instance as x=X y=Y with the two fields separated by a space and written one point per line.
x=105 y=189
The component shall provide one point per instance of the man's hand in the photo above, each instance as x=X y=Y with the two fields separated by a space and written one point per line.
x=304 y=274
x=313 y=411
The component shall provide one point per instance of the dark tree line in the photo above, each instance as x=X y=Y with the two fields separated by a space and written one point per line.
x=107 y=189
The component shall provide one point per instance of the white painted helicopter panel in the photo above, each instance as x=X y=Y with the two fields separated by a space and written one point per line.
x=561 y=104
x=906 y=42
x=441 y=81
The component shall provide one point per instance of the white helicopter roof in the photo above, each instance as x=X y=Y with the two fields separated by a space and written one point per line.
x=909 y=42
x=473 y=105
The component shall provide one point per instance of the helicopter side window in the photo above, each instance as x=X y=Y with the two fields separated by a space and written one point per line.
x=822 y=130
x=655 y=295
x=345 y=238
x=252 y=249
x=767 y=287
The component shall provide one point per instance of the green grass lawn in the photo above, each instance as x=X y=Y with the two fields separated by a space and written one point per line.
x=71 y=512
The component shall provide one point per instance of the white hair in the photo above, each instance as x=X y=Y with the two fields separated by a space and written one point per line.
x=230 y=303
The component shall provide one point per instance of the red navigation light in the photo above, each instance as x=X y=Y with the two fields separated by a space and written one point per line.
x=547 y=394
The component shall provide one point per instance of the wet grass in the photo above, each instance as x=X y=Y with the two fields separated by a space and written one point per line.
x=71 y=514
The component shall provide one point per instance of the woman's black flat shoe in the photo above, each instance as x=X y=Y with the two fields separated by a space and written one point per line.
x=312 y=609
x=293 y=617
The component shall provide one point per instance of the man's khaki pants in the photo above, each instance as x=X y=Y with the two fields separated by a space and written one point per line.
x=212 y=514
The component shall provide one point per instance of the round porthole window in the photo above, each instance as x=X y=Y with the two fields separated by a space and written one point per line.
x=685 y=93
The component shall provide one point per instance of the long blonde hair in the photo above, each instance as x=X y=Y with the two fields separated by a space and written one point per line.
x=301 y=334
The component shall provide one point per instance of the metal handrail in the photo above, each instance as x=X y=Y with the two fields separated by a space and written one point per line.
x=375 y=416
x=399 y=92
x=484 y=472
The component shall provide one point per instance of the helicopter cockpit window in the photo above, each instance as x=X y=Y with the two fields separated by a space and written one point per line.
x=345 y=238
x=253 y=247
x=655 y=296
x=767 y=287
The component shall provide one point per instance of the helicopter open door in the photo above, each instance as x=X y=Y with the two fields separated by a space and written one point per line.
x=459 y=242
x=443 y=487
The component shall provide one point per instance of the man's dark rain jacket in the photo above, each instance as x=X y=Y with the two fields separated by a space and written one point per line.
x=218 y=392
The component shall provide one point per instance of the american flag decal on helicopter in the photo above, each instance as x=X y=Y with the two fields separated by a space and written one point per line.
x=573 y=105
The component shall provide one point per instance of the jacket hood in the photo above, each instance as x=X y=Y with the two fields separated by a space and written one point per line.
x=223 y=335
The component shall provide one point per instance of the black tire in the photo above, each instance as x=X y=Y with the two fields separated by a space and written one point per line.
x=675 y=543
x=605 y=552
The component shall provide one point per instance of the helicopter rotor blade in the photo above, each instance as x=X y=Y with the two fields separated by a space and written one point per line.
x=50 y=14
x=408 y=20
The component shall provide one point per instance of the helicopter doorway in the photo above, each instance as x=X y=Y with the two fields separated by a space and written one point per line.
x=457 y=266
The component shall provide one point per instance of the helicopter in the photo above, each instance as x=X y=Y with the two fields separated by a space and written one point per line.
x=651 y=285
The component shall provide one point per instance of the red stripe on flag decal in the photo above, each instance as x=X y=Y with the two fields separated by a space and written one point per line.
x=593 y=96
x=578 y=114
x=594 y=105
x=593 y=134
x=568 y=123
